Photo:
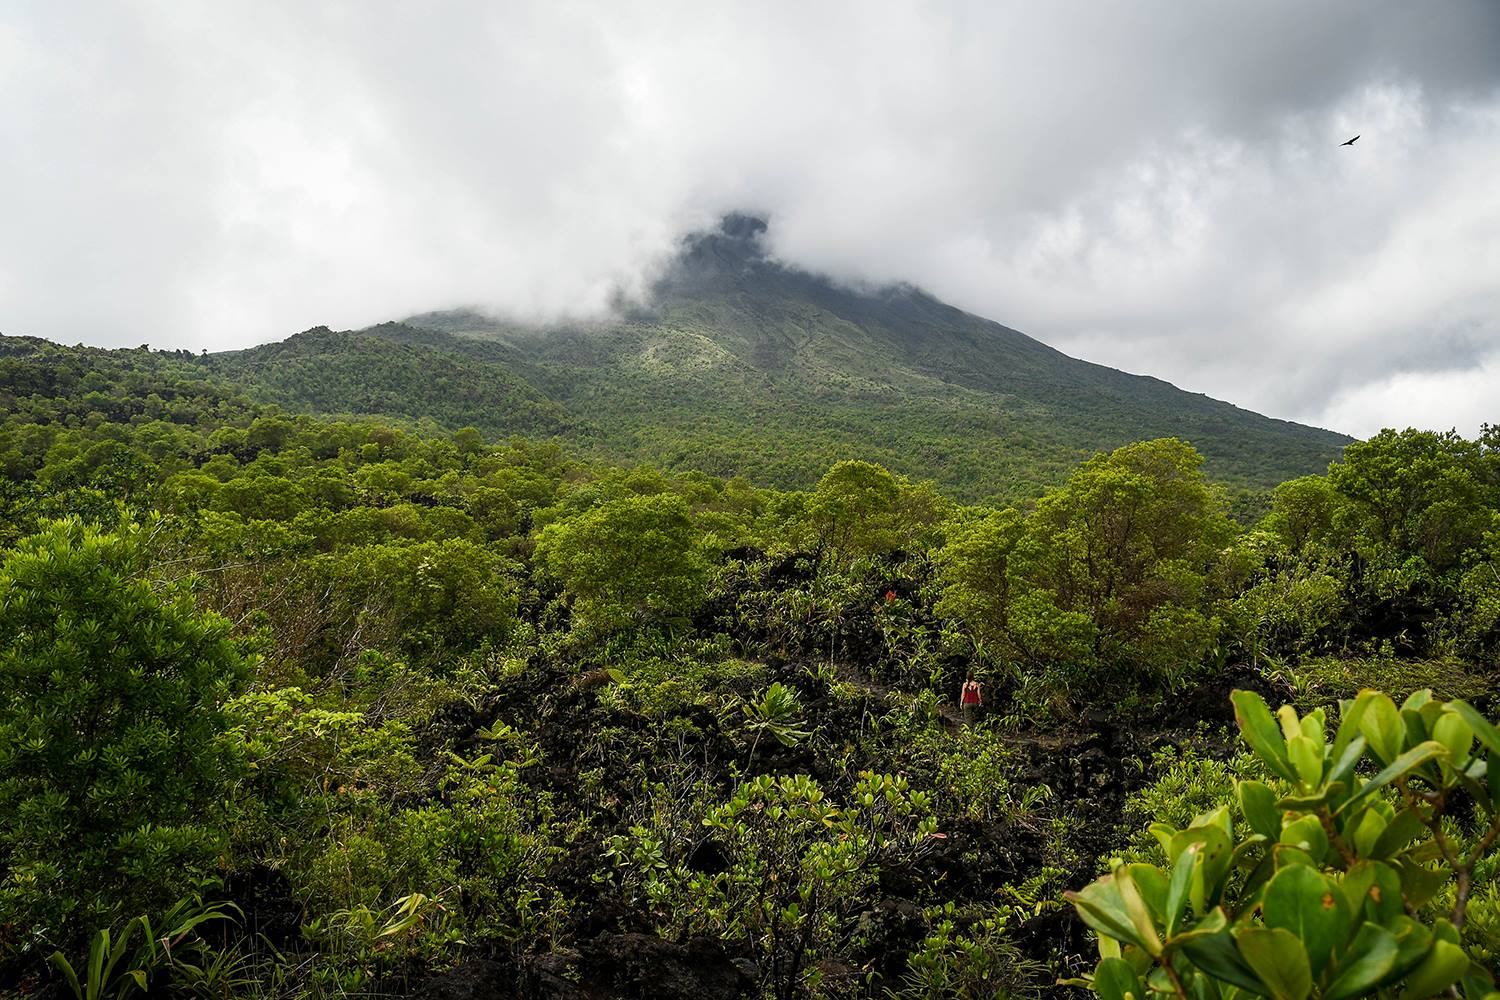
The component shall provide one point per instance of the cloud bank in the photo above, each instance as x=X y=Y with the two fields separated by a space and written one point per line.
x=1156 y=186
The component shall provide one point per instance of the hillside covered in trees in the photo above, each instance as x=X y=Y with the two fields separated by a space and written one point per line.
x=300 y=706
x=739 y=365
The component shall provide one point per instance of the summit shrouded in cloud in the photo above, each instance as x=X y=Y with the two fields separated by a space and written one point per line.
x=735 y=363
x=1157 y=187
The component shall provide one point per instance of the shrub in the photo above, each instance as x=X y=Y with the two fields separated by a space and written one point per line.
x=112 y=766
x=969 y=957
x=1344 y=884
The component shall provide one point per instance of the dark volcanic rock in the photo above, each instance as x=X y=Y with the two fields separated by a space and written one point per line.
x=472 y=979
x=646 y=967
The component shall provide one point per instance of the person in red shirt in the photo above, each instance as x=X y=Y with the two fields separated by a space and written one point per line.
x=970 y=698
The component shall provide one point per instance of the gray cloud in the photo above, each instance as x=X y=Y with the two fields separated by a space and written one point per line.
x=1156 y=186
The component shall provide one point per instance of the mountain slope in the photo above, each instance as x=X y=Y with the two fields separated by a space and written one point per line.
x=397 y=373
x=740 y=364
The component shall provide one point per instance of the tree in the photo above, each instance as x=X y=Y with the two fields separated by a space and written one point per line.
x=1415 y=495
x=862 y=509
x=975 y=571
x=268 y=434
x=1406 y=521
x=627 y=561
x=112 y=767
x=1302 y=513
x=1111 y=575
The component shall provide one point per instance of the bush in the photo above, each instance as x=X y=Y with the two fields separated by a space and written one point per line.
x=970 y=959
x=112 y=766
x=1343 y=886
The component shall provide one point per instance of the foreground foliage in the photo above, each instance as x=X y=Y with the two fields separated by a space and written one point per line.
x=1320 y=881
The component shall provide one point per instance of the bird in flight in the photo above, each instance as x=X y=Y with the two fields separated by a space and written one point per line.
x=1351 y=141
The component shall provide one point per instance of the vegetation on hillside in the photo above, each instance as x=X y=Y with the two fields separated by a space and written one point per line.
x=739 y=365
x=293 y=705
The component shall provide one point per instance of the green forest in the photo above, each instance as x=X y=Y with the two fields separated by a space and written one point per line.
x=295 y=705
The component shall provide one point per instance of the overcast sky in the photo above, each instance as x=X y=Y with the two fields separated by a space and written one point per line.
x=1157 y=186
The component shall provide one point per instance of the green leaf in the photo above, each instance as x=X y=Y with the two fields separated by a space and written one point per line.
x=1483 y=729
x=1258 y=803
x=1382 y=726
x=1286 y=717
x=1370 y=960
x=1261 y=873
x=1212 y=869
x=1177 y=889
x=1212 y=923
x=1262 y=733
x=1114 y=979
x=1350 y=713
x=1365 y=831
x=1151 y=882
x=1418 y=713
x=1444 y=965
x=1306 y=833
x=1417 y=700
x=1401 y=766
x=1346 y=761
x=1306 y=903
x=1313 y=726
x=1413 y=941
x=1247 y=851
x=97 y=952
x=66 y=968
x=1217 y=955
x=1143 y=890
x=1402 y=830
x=1290 y=854
x=1356 y=885
x=1379 y=887
x=1163 y=832
x=1101 y=906
x=1218 y=816
x=1418 y=882
x=1307 y=757
x=1456 y=736
x=1310 y=803
x=1478 y=983
x=192 y=922
x=1473 y=777
x=1276 y=956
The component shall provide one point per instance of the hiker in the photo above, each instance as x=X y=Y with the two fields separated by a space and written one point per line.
x=970 y=698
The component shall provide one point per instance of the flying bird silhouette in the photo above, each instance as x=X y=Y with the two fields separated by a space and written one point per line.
x=1351 y=141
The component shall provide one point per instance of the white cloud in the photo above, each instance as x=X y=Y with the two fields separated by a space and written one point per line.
x=1437 y=400
x=1156 y=186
